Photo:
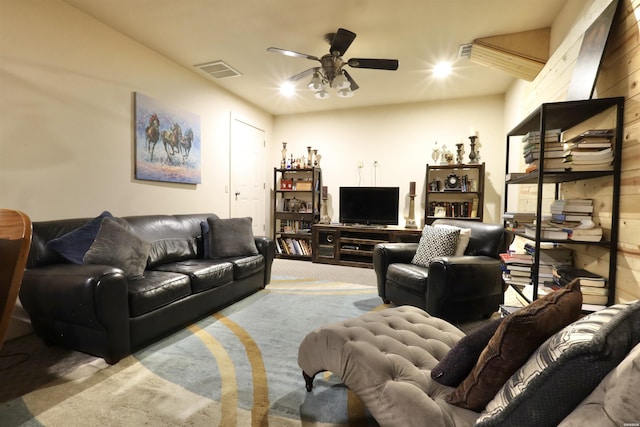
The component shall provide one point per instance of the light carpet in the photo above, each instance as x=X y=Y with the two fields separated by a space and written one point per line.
x=236 y=367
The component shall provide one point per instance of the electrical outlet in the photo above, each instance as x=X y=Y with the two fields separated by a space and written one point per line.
x=360 y=164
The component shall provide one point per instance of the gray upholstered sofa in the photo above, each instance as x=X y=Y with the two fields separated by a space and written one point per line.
x=109 y=286
x=585 y=374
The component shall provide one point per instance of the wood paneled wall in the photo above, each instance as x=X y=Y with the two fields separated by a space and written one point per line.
x=619 y=76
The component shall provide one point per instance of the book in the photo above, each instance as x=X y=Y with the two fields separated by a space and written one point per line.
x=546 y=232
x=585 y=234
x=568 y=273
x=512 y=258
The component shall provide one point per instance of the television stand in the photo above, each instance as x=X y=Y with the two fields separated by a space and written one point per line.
x=352 y=245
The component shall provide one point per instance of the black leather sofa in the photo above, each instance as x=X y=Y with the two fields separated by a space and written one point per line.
x=455 y=288
x=95 y=309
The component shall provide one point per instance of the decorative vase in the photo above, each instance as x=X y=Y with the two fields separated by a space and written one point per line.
x=472 y=154
x=315 y=157
x=309 y=160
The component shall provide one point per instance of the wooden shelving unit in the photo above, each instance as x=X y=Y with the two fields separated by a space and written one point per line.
x=296 y=208
x=353 y=245
x=454 y=191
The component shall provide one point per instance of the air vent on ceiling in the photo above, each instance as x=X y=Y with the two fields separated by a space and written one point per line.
x=219 y=70
x=464 y=51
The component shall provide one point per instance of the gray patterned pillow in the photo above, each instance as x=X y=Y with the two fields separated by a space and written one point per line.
x=435 y=242
x=118 y=247
x=565 y=369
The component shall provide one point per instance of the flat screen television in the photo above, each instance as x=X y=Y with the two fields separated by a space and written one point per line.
x=369 y=205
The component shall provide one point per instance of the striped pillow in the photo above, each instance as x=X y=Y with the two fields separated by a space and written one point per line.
x=565 y=369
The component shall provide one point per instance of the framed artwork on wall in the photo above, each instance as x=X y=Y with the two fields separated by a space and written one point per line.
x=167 y=142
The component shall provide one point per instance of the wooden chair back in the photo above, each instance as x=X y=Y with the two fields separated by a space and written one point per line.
x=15 y=240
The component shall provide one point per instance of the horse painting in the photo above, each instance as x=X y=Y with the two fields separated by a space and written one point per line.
x=153 y=133
x=171 y=140
x=186 y=142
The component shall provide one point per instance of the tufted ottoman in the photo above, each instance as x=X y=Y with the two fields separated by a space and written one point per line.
x=386 y=358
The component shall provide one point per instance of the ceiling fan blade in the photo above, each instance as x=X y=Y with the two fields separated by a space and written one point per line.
x=292 y=53
x=377 y=64
x=303 y=74
x=354 y=85
x=341 y=41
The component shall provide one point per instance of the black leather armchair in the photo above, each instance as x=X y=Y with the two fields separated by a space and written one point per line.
x=455 y=288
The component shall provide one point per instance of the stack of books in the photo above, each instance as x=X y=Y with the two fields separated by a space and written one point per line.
x=593 y=286
x=571 y=212
x=575 y=217
x=516 y=268
x=553 y=151
x=550 y=255
x=547 y=232
x=590 y=151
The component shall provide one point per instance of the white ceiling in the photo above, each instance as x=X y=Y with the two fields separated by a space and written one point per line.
x=418 y=33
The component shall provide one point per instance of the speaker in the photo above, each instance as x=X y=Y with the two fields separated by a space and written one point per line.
x=326 y=238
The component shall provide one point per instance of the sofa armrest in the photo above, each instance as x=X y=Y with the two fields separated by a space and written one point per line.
x=68 y=302
x=462 y=277
x=385 y=254
x=267 y=247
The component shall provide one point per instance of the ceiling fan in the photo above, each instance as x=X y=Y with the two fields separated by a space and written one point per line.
x=331 y=72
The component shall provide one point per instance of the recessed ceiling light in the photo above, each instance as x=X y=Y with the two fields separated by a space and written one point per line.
x=442 y=69
x=287 y=88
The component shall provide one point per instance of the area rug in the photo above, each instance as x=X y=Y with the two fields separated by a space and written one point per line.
x=237 y=367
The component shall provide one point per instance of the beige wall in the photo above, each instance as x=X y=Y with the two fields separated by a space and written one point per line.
x=401 y=139
x=66 y=103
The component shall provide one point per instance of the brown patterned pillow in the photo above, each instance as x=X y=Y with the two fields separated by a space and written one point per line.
x=517 y=337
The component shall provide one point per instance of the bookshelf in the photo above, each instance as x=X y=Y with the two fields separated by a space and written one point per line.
x=565 y=116
x=454 y=191
x=296 y=208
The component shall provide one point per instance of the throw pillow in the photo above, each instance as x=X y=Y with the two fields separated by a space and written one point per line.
x=206 y=243
x=116 y=246
x=435 y=242
x=74 y=244
x=463 y=239
x=230 y=237
x=566 y=368
x=517 y=337
x=460 y=360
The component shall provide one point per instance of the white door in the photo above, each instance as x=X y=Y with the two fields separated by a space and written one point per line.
x=247 y=183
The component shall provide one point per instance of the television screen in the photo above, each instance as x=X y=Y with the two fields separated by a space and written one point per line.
x=369 y=205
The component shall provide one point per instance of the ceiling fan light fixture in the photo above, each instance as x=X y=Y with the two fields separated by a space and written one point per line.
x=316 y=83
x=322 y=94
x=340 y=82
x=345 y=93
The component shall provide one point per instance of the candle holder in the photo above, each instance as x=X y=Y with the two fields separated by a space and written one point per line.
x=315 y=157
x=283 y=162
x=473 y=158
x=411 y=220
x=309 y=159
x=460 y=153
x=325 y=218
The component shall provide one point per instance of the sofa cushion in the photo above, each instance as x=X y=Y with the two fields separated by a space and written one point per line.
x=206 y=242
x=517 y=337
x=74 y=244
x=247 y=266
x=435 y=242
x=566 y=368
x=156 y=289
x=203 y=273
x=172 y=250
x=463 y=238
x=118 y=247
x=231 y=237
x=461 y=359
x=408 y=276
